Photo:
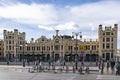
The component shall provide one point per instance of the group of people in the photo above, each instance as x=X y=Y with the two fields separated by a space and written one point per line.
x=110 y=66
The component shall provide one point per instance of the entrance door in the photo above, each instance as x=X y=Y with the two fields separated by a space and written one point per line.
x=107 y=56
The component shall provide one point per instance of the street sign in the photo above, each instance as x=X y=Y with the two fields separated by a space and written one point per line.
x=82 y=54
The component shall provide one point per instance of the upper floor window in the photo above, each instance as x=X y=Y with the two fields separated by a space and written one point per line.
x=75 y=48
x=103 y=39
x=112 y=39
x=9 y=47
x=107 y=33
x=56 y=47
x=88 y=47
x=38 y=47
x=28 y=48
x=103 y=46
x=112 y=33
x=9 y=42
x=10 y=37
x=94 y=47
x=112 y=45
x=62 y=47
x=57 y=41
x=107 y=39
x=107 y=45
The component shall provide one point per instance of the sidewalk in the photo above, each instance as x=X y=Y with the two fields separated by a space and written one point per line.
x=18 y=68
x=104 y=76
x=108 y=75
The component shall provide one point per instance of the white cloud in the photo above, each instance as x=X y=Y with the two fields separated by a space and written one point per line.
x=29 y=14
x=67 y=26
x=45 y=27
x=88 y=37
x=46 y=14
x=68 y=18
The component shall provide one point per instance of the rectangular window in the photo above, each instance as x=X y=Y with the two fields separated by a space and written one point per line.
x=38 y=47
x=112 y=55
x=103 y=39
x=112 y=39
x=107 y=45
x=112 y=45
x=103 y=46
x=107 y=39
x=75 y=48
x=9 y=42
x=20 y=47
x=112 y=33
x=103 y=55
x=9 y=47
x=107 y=33
x=27 y=48
x=94 y=47
x=88 y=47
x=69 y=48
x=56 y=47
x=48 y=48
x=61 y=47
x=9 y=37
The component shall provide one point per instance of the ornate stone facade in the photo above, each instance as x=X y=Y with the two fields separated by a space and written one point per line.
x=108 y=42
x=1 y=49
x=62 y=46
x=12 y=41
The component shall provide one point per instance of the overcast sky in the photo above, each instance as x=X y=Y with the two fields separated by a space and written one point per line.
x=43 y=17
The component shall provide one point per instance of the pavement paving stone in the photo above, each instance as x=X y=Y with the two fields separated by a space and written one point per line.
x=15 y=72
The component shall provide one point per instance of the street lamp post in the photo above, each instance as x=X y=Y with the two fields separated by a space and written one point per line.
x=23 y=58
x=33 y=57
x=53 y=56
x=90 y=56
x=42 y=56
x=52 y=59
x=23 y=55
x=76 y=57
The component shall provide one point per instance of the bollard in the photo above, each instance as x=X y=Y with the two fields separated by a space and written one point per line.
x=80 y=70
x=67 y=69
x=29 y=70
x=87 y=70
x=73 y=69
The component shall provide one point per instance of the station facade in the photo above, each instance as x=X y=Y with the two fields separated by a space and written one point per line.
x=61 y=47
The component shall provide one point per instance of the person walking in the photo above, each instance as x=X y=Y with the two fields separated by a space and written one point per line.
x=102 y=67
x=112 y=64
x=107 y=66
x=118 y=68
x=99 y=64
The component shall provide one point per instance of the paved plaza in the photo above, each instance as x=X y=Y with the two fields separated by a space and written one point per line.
x=21 y=73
